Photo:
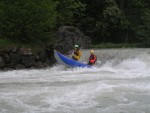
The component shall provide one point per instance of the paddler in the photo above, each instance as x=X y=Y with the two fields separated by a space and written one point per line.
x=92 y=58
x=77 y=53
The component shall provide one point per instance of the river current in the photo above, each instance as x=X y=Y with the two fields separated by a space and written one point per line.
x=118 y=83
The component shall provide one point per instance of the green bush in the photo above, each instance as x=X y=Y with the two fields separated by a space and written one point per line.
x=27 y=20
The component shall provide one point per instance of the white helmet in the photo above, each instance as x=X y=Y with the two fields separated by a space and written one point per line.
x=76 y=46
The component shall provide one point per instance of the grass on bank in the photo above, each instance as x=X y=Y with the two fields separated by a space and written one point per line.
x=35 y=46
x=4 y=43
x=123 y=45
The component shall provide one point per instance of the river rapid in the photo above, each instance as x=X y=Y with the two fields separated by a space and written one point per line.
x=119 y=83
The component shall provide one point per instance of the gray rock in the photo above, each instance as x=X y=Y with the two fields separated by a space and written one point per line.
x=6 y=58
x=19 y=66
x=50 y=62
x=11 y=49
x=49 y=50
x=42 y=55
x=2 y=62
x=39 y=65
x=10 y=65
x=15 y=58
x=28 y=60
x=68 y=36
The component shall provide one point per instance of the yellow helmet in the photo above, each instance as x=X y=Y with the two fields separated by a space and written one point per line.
x=92 y=51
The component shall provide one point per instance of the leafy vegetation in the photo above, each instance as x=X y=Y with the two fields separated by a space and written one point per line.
x=28 y=20
x=105 y=21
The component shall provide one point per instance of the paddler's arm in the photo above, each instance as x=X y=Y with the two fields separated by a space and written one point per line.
x=70 y=53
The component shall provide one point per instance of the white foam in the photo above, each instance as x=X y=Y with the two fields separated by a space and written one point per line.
x=117 y=85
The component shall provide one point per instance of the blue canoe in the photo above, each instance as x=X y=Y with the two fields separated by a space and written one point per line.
x=64 y=60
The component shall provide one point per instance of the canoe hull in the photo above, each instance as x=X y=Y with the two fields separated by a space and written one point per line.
x=64 y=60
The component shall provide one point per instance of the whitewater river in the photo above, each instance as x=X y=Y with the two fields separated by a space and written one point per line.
x=119 y=83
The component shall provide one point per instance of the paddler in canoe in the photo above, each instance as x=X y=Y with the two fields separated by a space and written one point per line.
x=77 y=53
x=92 y=58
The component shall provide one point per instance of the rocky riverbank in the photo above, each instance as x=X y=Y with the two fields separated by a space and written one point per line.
x=24 y=58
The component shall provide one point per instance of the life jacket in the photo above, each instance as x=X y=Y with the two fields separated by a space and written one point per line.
x=77 y=54
x=92 y=59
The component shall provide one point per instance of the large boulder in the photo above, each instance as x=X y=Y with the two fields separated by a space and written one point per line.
x=68 y=36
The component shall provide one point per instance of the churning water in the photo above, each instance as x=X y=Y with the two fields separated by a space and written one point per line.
x=119 y=83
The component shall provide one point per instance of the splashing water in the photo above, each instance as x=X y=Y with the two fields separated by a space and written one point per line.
x=119 y=83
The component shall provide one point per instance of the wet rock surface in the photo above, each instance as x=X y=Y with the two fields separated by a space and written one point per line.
x=24 y=58
x=68 y=36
